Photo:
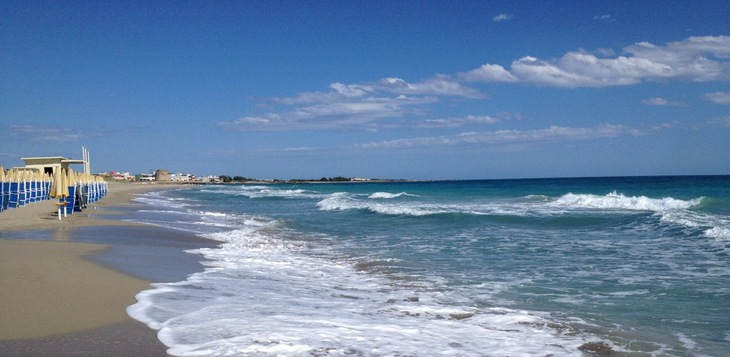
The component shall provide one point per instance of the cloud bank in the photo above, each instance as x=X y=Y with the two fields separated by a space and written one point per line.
x=718 y=97
x=48 y=134
x=370 y=105
x=509 y=137
x=698 y=59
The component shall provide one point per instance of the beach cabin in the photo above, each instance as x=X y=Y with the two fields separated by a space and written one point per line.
x=49 y=165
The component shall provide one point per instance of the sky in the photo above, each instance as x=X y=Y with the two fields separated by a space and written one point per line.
x=375 y=89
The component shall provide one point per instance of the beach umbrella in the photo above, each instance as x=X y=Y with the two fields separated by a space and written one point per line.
x=70 y=176
x=57 y=190
x=66 y=181
x=56 y=184
x=62 y=192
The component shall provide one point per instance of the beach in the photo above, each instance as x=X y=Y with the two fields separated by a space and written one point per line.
x=65 y=285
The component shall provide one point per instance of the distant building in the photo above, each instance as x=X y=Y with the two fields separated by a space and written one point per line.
x=145 y=177
x=49 y=165
x=162 y=175
x=120 y=176
x=182 y=177
x=210 y=178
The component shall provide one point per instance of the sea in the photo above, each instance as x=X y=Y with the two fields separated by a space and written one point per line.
x=610 y=266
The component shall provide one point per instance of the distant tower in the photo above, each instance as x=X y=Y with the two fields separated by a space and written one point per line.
x=162 y=175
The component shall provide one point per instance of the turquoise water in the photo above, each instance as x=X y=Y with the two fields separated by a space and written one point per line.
x=462 y=268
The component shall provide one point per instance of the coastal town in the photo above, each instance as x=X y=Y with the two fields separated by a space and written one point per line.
x=48 y=165
x=164 y=176
x=69 y=186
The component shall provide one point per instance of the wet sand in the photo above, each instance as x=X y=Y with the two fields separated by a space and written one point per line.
x=65 y=285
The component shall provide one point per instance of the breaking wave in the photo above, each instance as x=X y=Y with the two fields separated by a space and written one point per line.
x=617 y=201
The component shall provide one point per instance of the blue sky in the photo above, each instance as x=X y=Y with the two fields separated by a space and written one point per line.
x=383 y=89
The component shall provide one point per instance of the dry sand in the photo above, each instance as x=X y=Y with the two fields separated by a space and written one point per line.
x=54 y=301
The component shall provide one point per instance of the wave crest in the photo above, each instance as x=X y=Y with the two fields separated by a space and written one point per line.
x=390 y=195
x=618 y=201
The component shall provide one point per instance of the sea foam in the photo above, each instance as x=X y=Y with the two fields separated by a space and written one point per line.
x=618 y=201
x=261 y=295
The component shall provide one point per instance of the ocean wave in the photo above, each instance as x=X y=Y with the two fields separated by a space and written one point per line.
x=617 y=201
x=243 y=304
x=532 y=205
x=155 y=198
x=390 y=195
x=262 y=192
x=713 y=226
x=719 y=233
x=343 y=201
x=669 y=210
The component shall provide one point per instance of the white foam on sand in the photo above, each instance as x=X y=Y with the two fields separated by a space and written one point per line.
x=261 y=296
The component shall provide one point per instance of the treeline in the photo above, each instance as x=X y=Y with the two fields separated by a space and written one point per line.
x=323 y=179
x=228 y=179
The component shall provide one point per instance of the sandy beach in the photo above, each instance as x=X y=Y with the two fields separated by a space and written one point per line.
x=65 y=285
x=43 y=215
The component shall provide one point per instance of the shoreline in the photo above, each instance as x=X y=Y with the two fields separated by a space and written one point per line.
x=65 y=285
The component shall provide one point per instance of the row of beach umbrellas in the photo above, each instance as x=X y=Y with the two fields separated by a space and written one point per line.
x=73 y=190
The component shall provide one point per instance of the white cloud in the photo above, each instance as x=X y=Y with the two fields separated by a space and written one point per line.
x=604 y=18
x=374 y=105
x=489 y=73
x=509 y=137
x=655 y=101
x=439 y=85
x=718 y=97
x=329 y=114
x=502 y=17
x=457 y=122
x=47 y=134
x=353 y=105
x=695 y=59
x=351 y=90
x=574 y=70
x=721 y=121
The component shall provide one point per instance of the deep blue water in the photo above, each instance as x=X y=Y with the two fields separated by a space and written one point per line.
x=463 y=268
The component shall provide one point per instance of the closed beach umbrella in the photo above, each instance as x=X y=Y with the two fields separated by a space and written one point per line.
x=57 y=188
x=56 y=184
x=71 y=177
x=59 y=184
x=65 y=182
